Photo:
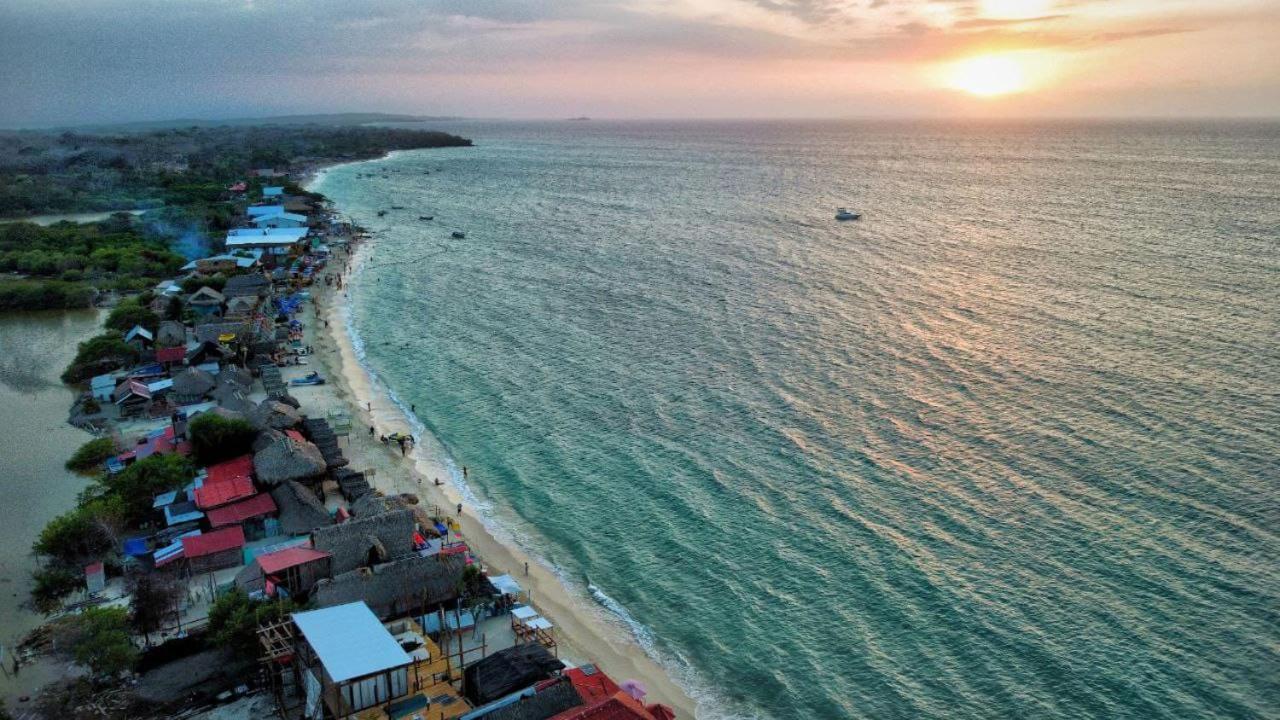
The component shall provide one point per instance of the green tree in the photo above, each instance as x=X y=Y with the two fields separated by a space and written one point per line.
x=133 y=489
x=234 y=619
x=99 y=354
x=99 y=640
x=52 y=585
x=215 y=438
x=153 y=600
x=91 y=455
x=80 y=535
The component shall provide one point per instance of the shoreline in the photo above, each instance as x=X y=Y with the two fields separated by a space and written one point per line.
x=583 y=629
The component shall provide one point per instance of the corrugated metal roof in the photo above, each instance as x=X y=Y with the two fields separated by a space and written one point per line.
x=284 y=559
x=238 y=512
x=213 y=542
x=350 y=642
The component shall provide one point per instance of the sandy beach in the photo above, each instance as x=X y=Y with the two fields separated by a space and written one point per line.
x=583 y=630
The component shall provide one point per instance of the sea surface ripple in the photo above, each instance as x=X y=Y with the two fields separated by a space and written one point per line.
x=1007 y=447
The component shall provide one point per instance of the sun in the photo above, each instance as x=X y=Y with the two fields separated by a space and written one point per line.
x=987 y=75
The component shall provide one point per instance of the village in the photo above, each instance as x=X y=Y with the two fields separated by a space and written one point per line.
x=369 y=605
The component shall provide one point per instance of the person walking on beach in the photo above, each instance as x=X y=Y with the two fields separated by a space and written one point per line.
x=526 y=568
x=459 y=509
x=464 y=472
x=370 y=431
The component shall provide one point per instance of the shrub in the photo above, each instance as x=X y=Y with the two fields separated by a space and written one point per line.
x=234 y=619
x=215 y=438
x=129 y=313
x=93 y=453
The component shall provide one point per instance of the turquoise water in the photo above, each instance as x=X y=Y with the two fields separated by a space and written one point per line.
x=1007 y=447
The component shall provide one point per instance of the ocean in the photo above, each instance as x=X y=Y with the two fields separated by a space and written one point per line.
x=1008 y=446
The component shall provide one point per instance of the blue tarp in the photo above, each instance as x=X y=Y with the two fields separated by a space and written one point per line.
x=135 y=547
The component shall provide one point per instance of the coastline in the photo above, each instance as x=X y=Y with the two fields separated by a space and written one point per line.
x=583 y=630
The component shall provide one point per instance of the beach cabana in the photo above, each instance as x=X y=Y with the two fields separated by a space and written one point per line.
x=214 y=550
x=353 y=660
x=275 y=415
x=508 y=671
x=288 y=459
x=301 y=511
x=192 y=385
x=362 y=542
x=397 y=587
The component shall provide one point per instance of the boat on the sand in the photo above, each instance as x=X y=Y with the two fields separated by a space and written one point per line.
x=312 y=378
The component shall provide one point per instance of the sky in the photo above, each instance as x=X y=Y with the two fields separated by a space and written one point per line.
x=93 y=61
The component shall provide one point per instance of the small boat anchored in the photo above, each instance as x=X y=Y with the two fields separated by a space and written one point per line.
x=457 y=235
x=846 y=214
x=426 y=217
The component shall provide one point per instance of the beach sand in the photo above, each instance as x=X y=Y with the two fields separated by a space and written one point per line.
x=583 y=631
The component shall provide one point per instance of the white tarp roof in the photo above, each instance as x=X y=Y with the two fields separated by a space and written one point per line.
x=505 y=584
x=350 y=642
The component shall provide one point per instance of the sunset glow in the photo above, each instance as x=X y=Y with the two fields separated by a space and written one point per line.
x=987 y=75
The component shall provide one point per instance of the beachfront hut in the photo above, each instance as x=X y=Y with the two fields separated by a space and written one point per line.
x=540 y=703
x=206 y=303
x=103 y=387
x=214 y=550
x=367 y=541
x=392 y=589
x=288 y=458
x=353 y=660
x=508 y=671
x=253 y=285
x=171 y=334
x=295 y=570
x=241 y=307
x=301 y=511
x=139 y=337
x=273 y=414
x=132 y=397
x=191 y=385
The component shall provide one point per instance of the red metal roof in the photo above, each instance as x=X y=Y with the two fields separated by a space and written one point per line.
x=289 y=557
x=173 y=354
x=238 y=512
x=228 y=469
x=592 y=688
x=295 y=435
x=230 y=538
x=214 y=494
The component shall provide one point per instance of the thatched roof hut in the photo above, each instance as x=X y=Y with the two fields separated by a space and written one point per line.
x=301 y=511
x=238 y=378
x=192 y=384
x=397 y=587
x=367 y=540
x=507 y=671
x=273 y=414
x=287 y=459
x=171 y=334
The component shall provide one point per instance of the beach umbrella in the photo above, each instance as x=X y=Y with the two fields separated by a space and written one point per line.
x=634 y=688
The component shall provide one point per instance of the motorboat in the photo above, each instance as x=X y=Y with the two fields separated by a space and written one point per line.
x=426 y=217
x=381 y=213
x=846 y=214
x=312 y=378
x=457 y=235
